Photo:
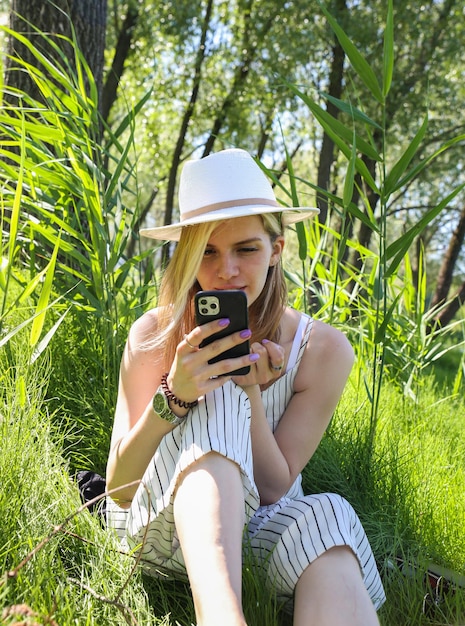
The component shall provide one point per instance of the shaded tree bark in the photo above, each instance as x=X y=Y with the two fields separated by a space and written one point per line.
x=47 y=24
x=240 y=75
x=189 y=112
x=335 y=88
x=446 y=272
x=131 y=247
x=265 y=134
x=448 y=314
x=249 y=52
x=122 y=48
x=88 y=17
x=398 y=93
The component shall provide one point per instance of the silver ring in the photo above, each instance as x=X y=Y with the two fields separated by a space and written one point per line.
x=277 y=368
x=189 y=343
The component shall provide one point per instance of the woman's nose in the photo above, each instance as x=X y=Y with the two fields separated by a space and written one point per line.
x=227 y=267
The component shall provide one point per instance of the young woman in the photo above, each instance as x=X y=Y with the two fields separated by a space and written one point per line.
x=220 y=457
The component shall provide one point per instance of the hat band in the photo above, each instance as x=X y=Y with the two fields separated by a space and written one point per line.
x=227 y=205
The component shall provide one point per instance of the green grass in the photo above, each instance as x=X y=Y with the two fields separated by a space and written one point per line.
x=407 y=487
x=37 y=495
x=404 y=474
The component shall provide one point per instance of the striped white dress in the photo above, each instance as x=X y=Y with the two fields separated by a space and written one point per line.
x=286 y=536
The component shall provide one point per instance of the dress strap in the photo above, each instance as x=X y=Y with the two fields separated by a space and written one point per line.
x=297 y=343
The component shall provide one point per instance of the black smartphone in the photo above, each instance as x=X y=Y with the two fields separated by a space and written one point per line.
x=230 y=303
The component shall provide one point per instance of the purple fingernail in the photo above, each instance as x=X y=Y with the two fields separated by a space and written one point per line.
x=265 y=341
x=254 y=357
x=223 y=322
x=245 y=334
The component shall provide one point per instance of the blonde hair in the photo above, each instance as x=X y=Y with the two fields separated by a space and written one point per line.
x=265 y=313
x=179 y=284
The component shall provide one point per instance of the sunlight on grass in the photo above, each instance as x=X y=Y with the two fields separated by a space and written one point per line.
x=408 y=491
x=395 y=448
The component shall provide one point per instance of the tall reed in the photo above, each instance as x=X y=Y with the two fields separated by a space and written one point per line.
x=65 y=190
x=390 y=322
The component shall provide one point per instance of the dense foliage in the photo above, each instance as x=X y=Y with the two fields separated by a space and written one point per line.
x=76 y=184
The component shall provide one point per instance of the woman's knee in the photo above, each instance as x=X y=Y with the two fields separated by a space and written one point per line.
x=343 y=558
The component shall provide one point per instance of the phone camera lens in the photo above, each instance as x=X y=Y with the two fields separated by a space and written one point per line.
x=214 y=306
x=204 y=311
x=203 y=301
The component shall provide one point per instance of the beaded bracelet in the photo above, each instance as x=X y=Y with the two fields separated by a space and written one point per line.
x=170 y=395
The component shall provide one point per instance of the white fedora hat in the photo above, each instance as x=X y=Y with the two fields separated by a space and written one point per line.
x=223 y=186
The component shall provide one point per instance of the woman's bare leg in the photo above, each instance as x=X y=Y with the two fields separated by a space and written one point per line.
x=331 y=592
x=209 y=516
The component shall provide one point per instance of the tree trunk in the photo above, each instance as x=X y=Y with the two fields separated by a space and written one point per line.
x=249 y=52
x=327 y=147
x=123 y=45
x=448 y=314
x=449 y=261
x=240 y=76
x=176 y=160
x=131 y=247
x=265 y=134
x=365 y=232
x=398 y=94
x=88 y=18
x=45 y=23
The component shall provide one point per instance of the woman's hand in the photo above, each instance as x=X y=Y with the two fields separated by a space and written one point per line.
x=267 y=367
x=191 y=375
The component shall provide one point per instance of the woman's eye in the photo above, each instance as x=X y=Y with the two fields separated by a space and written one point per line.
x=242 y=250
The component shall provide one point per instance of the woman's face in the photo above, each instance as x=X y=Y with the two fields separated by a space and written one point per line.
x=238 y=255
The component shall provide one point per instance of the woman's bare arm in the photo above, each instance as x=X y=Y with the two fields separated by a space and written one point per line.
x=137 y=429
x=280 y=456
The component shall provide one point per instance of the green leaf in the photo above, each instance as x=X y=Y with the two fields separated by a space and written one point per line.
x=380 y=334
x=21 y=391
x=356 y=212
x=33 y=129
x=55 y=72
x=349 y=179
x=392 y=179
x=368 y=390
x=378 y=288
x=44 y=298
x=128 y=120
x=14 y=219
x=388 y=51
x=399 y=247
x=28 y=289
x=408 y=290
x=116 y=176
x=302 y=238
x=14 y=331
x=337 y=128
x=355 y=113
x=357 y=61
x=423 y=164
x=48 y=337
x=300 y=229
x=294 y=279
x=337 y=132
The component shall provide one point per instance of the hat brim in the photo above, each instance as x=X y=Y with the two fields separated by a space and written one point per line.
x=172 y=232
